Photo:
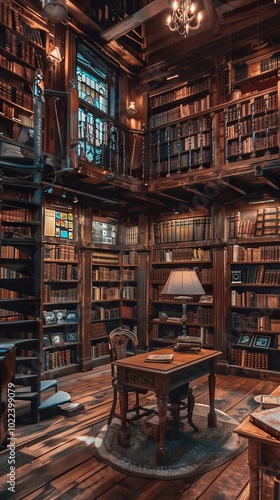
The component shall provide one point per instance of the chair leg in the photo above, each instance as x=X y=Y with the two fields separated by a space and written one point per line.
x=113 y=408
x=191 y=402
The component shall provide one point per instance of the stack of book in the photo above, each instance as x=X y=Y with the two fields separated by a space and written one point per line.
x=188 y=344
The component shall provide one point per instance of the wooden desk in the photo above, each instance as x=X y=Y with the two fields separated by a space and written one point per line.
x=161 y=378
x=263 y=454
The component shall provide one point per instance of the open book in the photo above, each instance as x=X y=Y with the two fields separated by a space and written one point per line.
x=159 y=358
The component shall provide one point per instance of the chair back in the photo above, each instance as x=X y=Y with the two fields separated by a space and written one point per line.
x=118 y=342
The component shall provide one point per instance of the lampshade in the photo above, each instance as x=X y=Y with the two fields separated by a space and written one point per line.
x=55 y=10
x=183 y=282
x=54 y=56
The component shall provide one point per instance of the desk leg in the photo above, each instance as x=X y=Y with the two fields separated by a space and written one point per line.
x=254 y=461
x=123 y=435
x=161 y=454
x=212 y=417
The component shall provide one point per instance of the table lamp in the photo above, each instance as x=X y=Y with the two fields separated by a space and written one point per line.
x=183 y=284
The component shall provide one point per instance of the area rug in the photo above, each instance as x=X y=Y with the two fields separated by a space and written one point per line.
x=190 y=454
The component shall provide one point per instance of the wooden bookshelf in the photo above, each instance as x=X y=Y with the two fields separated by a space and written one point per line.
x=254 y=321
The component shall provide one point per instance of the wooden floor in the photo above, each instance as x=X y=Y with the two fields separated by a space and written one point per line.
x=54 y=460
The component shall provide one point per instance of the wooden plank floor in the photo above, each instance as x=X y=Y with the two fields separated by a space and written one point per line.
x=54 y=460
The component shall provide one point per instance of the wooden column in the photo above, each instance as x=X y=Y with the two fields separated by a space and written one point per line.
x=220 y=299
x=85 y=310
x=142 y=300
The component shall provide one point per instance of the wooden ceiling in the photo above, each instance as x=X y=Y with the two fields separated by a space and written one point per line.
x=149 y=52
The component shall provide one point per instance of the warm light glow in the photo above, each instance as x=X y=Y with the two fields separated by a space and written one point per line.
x=131 y=110
x=183 y=284
x=183 y=17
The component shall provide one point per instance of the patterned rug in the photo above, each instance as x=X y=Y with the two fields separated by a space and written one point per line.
x=191 y=454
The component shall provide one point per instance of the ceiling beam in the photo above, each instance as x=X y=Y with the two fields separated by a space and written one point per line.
x=151 y=10
x=232 y=186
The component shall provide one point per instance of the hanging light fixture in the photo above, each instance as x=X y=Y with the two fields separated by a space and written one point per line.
x=55 y=10
x=183 y=17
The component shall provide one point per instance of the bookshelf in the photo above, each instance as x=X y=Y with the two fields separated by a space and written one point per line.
x=129 y=273
x=20 y=279
x=253 y=283
x=60 y=292
x=106 y=301
x=181 y=128
x=166 y=312
x=251 y=126
x=22 y=50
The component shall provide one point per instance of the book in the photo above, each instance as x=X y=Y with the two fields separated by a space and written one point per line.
x=159 y=358
x=70 y=409
x=188 y=344
x=268 y=420
x=268 y=401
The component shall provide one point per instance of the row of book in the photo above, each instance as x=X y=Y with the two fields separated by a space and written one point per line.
x=181 y=145
x=105 y=274
x=181 y=111
x=191 y=159
x=12 y=18
x=179 y=93
x=185 y=254
x=246 y=146
x=131 y=235
x=130 y=258
x=241 y=357
x=100 y=313
x=176 y=230
x=100 y=349
x=268 y=253
x=7 y=315
x=99 y=257
x=263 y=222
x=259 y=104
x=129 y=292
x=254 y=322
x=268 y=221
x=54 y=271
x=23 y=99
x=5 y=91
x=53 y=251
x=57 y=359
x=129 y=275
x=51 y=294
x=187 y=129
x=102 y=329
x=105 y=293
x=10 y=273
x=246 y=126
x=15 y=232
x=258 y=274
x=251 y=299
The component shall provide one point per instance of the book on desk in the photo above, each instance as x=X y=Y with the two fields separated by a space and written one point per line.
x=159 y=358
x=268 y=420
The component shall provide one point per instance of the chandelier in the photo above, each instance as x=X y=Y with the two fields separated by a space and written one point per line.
x=183 y=17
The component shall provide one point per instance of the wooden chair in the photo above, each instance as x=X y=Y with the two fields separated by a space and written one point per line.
x=119 y=341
